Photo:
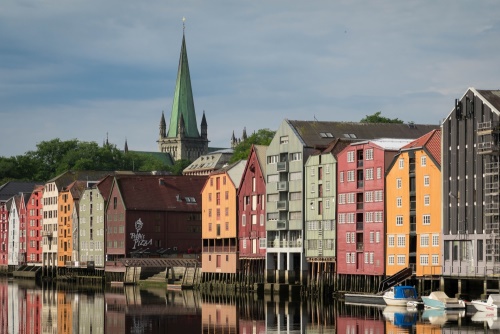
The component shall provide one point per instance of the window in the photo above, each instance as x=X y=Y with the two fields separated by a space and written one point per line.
x=379 y=195
x=377 y=237
x=295 y=196
x=372 y=237
x=312 y=188
x=261 y=219
x=350 y=156
x=399 y=202
x=401 y=259
x=348 y=237
x=227 y=226
x=272 y=159
x=401 y=241
x=272 y=216
x=209 y=226
x=341 y=177
x=327 y=186
x=272 y=197
x=295 y=176
x=379 y=173
x=401 y=163
x=424 y=260
x=284 y=140
x=367 y=255
x=371 y=257
x=426 y=219
x=435 y=259
x=262 y=243
x=399 y=220
x=427 y=180
x=351 y=198
x=390 y=260
x=327 y=169
x=353 y=257
x=350 y=176
x=390 y=241
x=369 y=174
x=423 y=161
x=348 y=257
x=369 y=154
x=369 y=217
x=296 y=156
x=327 y=204
x=435 y=240
x=378 y=217
x=341 y=198
x=244 y=243
x=295 y=215
x=254 y=219
x=424 y=240
x=341 y=218
x=427 y=200
x=210 y=195
x=399 y=183
x=243 y=220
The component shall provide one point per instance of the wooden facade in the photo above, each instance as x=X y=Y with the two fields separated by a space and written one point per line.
x=219 y=216
x=34 y=227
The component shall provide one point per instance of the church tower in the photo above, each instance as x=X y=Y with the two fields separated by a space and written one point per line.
x=182 y=139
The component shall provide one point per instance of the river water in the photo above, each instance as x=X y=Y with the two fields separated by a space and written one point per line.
x=26 y=307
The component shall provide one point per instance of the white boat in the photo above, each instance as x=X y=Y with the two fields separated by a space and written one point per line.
x=439 y=300
x=400 y=295
x=490 y=305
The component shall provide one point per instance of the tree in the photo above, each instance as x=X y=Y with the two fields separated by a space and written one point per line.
x=179 y=166
x=377 y=118
x=261 y=137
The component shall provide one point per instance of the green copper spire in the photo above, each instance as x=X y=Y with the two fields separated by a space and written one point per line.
x=183 y=103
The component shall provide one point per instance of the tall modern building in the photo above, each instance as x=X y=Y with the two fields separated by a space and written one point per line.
x=471 y=197
x=181 y=139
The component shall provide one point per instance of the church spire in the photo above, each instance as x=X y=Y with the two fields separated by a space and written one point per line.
x=163 y=125
x=126 y=146
x=183 y=103
x=204 y=132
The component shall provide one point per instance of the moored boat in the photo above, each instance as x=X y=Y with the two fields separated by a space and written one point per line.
x=400 y=295
x=490 y=305
x=439 y=300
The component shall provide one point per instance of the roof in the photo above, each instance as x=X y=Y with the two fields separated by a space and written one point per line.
x=391 y=144
x=161 y=193
x=234 y=171
x=321 y=134
x=11 y=188
x=209 y=162
x=337 y=146
x=76 y=189
x=183 y=104
x=260 y=151
x=489 y=97
x=68 y=177
x=431 y=141
x=163 y=157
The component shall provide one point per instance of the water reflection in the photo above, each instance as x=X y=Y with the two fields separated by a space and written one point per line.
x=28 y=308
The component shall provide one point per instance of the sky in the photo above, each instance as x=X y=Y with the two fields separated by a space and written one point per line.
x=93 y=69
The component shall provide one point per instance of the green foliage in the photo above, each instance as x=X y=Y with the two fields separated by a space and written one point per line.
x=377 y=118
x=179 y=166
x=54 y=157
x=261 y=137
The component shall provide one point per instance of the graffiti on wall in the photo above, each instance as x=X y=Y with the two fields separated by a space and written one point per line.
x=138 y=238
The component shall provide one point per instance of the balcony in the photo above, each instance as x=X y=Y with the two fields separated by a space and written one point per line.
x=282 y=166
x=359 y=226
x=359 y=206
x=360 y=184
x=282 y=186
x=359 y=246
x=282 y=205
x=281 y=225
x=487 y=148
x=46 y=233
x=360 y=163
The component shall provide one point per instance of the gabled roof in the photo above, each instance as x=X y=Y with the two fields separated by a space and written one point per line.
x=104 y=186
x=234 y=171
x=11 y=188
x=337 y=146
x=183 y=104
x=489 y=97
x=260 y=151
x=431 y=141
x=210 y=162
x=68 y=177
x=161 y=193
x=76 y=189
x=260 y=155
x=320 y=134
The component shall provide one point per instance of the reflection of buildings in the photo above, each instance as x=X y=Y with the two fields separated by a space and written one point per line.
x=219 y=318
x=89 y=311
x=360 y=319
x=151 y=311
x=285 y=317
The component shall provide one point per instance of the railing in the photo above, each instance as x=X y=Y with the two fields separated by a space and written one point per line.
x=359 y=246
x=360 y=184
x=359 y=206
x=282 y=186
x=282 y=166
x=282 y=205
x=219 y=249
x=360 y=163
x=359 y=226
x=281 y=224
x=284 y=243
